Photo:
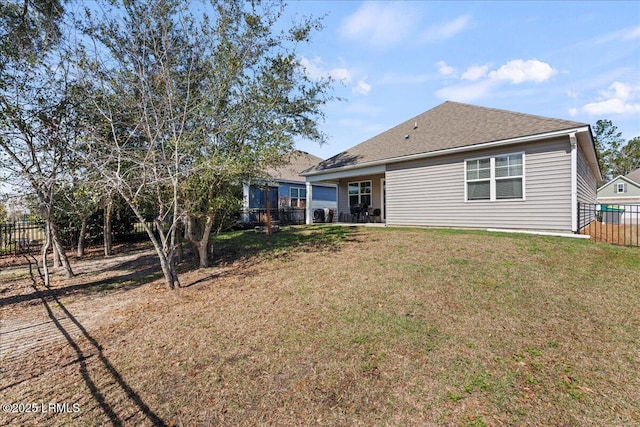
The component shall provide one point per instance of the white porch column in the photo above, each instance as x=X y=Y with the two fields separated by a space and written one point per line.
x=308 y=205
x=245 y=195
x=245 y=202
x=574 y=181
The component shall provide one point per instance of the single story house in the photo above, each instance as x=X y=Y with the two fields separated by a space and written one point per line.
x=621 y=196
x=460 y=165
x=287 y=189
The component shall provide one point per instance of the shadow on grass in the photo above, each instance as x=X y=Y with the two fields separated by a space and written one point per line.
x=117 y=416
x=145 y=269
x=246 y=245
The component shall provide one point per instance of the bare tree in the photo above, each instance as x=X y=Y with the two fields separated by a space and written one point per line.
x=192 y=105
x=35 y=109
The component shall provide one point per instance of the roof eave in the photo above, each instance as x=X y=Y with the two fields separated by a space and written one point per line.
x=436 y=153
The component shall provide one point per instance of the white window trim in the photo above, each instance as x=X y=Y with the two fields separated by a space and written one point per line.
x=359 y=193
x=492 y=178
x=298 y=198
x=620 y=185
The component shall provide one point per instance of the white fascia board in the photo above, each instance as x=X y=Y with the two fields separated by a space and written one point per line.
x=585 y=140
x=348 y=172
x=311 y=175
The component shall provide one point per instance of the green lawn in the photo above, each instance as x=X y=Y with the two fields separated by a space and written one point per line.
x=388 y=326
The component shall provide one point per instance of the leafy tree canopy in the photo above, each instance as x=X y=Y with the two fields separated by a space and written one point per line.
x=616 y=157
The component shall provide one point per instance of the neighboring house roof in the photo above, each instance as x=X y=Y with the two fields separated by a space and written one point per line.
x=634 y=176
x=298 y=161
x=448 y=126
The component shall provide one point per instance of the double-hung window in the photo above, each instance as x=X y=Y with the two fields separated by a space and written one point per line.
x=298 y=197
x=360 y=192
x=495 y=178
x=621 y=187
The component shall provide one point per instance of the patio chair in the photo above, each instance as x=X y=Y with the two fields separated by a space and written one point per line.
x=356 y=210
x=375 y=215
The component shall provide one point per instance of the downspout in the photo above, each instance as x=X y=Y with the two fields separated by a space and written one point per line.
x=574 y=182
x=309 y=214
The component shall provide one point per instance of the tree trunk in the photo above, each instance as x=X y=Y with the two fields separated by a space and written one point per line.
x=45 y=249
x=107 y=231
x=56 y=257
x=60 y=249
x=201 y=245
x=168 y=267
x=203 y=253
x=81 y=237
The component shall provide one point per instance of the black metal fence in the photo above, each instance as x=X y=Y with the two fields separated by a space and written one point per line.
x=618 y=224
x=28 y=236
x=287 y=216
x=20 y=237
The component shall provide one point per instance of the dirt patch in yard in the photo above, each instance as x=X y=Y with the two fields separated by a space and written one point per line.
x=617 y=234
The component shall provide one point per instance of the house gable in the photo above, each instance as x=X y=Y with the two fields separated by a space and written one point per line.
x=620 y=187
x=446 y=128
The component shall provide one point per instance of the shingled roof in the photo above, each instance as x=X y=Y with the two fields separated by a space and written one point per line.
x=447 y=126
x=634 y=176
x=298 y=161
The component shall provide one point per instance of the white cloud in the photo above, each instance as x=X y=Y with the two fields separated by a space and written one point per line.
x=624 y=34
x=619 y=90
x=447 y=30
x=573 y=112
x=444 y=69
x=618 y=98
x=362 y=88
x=466 y=92
x=610 y=106
x=475 y=72
x=381 y=25
x=519 y=71
x=631 y=34
x=572 y=94
x=316 y=70
x=484 y=81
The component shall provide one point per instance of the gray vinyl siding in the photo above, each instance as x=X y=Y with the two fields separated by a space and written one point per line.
x=587 y=184
x=431 y=192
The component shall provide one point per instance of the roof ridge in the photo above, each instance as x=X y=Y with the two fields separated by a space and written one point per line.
x=502 y=110
x=448 y=125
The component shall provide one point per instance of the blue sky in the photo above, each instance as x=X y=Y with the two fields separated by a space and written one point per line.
x=576 y=60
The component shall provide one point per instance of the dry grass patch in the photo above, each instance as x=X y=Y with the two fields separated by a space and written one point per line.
x=340 y=326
